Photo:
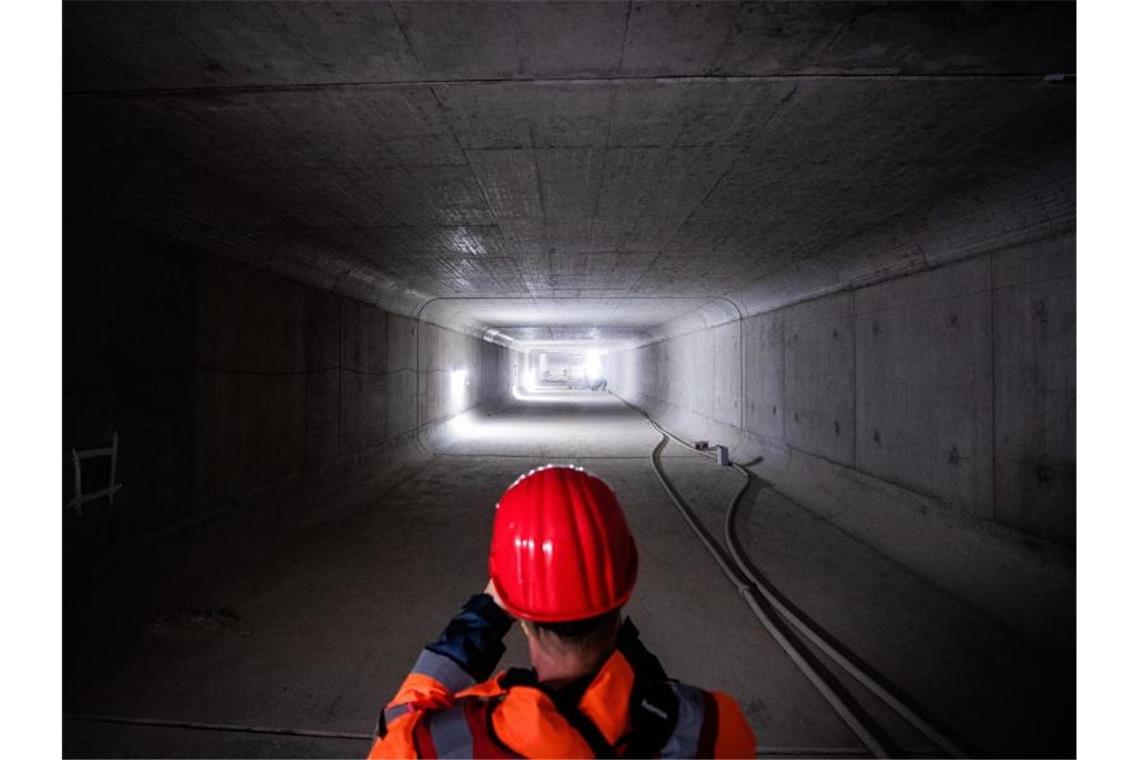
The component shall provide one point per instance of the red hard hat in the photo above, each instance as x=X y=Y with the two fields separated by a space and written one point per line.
x=560 y=547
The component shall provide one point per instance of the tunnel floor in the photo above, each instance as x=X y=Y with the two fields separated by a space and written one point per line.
x=310 y=631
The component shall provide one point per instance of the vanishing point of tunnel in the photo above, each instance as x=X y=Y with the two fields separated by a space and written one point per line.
x=795 y=280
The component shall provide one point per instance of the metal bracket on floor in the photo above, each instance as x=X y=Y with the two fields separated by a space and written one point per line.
x=77 y=457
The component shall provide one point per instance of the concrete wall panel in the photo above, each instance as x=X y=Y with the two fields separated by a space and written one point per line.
x=247 y=320
x=229 y=385
x=401 y=343
x=128 y=321
x=363 y=410
x=322 y=417
x=764 y=376
x=401 y=401
x=924 y=381
x=273 y=436
x=955 y=384
x=249 y=433
x=1035 y=390
x=364 y=337
x=694 y=361
x=819 y=378
x=322 y=330
x=251 y=331
x=726 y=347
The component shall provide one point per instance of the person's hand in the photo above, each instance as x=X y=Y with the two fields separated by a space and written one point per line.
x=493 y=593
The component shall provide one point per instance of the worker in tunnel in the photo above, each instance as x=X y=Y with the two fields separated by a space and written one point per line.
x=564 y=563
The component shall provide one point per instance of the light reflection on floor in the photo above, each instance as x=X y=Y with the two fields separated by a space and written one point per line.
x=562 y=396
x=551 y=422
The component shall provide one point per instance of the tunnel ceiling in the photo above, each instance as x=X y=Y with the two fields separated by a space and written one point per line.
x=547 y=169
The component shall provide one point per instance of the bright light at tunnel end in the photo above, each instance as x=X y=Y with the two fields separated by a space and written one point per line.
x=594 y=365
x=458 y=385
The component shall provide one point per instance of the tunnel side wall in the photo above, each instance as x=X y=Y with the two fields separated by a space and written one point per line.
x=932 y=415
x=232 y=387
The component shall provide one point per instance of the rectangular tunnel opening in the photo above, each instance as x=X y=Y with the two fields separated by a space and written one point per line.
x=798 y=282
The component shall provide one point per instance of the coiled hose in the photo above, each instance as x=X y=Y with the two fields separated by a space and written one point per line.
x=749 y=585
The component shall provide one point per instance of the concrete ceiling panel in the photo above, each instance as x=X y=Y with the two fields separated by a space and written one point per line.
x=581 y=163
x=452 y=194
x=549 y=337
x=707 y=275
x=510 y=183
x=597 y=312
x=570 y=181
x=426 y=150
x=455 y=241
x=183 y=45
x=499 y=40
x=495 y=115
x=180 y=45
x=663 y=38
x=570 y=236
x=693 y=113
x=938 y=38
x=525 y=237
x=389 y=197
x=659 y=182
x=922 y=38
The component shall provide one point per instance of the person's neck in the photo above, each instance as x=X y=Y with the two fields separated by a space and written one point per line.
x=557 y=678
x=556 y=674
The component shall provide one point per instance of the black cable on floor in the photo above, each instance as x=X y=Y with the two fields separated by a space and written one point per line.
x=739 y=572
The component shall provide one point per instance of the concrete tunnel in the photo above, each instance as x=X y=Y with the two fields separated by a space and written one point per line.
x=335 y=274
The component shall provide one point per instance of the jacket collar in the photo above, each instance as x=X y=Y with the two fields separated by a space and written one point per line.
x=528 y=721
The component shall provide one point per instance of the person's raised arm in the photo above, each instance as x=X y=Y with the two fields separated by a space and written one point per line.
x=465 y=653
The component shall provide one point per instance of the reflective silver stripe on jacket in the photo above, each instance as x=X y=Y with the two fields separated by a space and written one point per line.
x=395 y=712
x=450 y=732
x=444 y=670
x=686 y=737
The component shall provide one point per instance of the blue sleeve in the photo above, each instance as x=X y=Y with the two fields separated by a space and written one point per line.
x=473 y=639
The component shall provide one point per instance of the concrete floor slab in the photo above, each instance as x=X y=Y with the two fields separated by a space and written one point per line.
x=313 y=630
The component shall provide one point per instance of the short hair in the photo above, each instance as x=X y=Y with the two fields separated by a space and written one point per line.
x=589 y=637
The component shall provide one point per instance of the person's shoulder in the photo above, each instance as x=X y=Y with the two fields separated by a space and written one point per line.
x=398 y=740
x=734 y=737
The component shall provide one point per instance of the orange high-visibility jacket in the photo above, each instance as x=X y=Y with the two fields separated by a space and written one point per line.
x=440 y=710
